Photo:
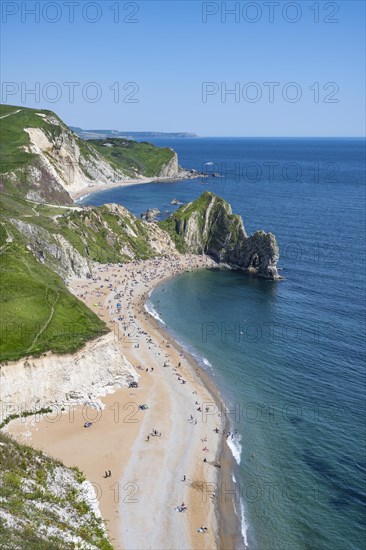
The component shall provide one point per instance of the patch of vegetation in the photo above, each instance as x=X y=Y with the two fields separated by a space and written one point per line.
x=132 y=156
x=37 y=312
x=25 y=414
x=42 y=503
x=18 y=165
x=172 y=226
x=13 y=137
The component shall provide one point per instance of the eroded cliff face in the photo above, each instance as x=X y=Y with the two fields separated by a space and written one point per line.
x=63 y=162
x=53 y=164
x=260 y=255
x=74 y=243
x=54 y=381
x=170 y=169
x=55 y=251
x=208 y=226
x=45 y=504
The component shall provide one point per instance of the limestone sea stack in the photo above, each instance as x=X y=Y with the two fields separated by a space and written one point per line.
x=208 y=226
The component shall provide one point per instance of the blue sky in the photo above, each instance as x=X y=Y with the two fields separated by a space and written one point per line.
x=182 y=68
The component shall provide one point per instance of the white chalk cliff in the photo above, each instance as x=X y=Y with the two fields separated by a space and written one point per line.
x=56 y=381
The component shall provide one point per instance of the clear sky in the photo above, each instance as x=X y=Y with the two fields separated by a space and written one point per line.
x=295 y=68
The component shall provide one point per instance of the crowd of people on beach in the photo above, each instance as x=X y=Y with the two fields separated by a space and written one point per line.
x=120 y=293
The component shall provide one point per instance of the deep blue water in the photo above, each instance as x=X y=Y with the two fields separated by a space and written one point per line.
x=287 y=356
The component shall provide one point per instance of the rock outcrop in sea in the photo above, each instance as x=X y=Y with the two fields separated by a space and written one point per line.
x=151 y=214
x=208 y=226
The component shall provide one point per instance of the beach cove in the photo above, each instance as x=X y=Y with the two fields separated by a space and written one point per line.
x=152 y=476
x=85 y=192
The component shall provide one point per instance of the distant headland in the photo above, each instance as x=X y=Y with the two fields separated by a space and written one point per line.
x=100 y=134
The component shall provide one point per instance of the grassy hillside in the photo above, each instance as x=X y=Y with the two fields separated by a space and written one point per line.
x=133 y=157
x=104 y=236
x=18 y=165
x=42 y=504
x=37 y=312
x=23 y=172
x=101 y=234
x=13 y=138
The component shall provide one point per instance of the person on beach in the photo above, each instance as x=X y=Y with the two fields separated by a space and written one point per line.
x=184 y=478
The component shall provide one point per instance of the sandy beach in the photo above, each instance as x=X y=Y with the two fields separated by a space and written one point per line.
x=132 y=181
x=152 y=476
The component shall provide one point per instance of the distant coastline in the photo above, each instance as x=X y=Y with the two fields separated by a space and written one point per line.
x=101 y=134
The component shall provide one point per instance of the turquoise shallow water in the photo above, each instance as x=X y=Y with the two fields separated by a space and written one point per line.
x=288 y=356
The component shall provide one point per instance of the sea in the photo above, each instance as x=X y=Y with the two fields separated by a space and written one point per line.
x=288 y=357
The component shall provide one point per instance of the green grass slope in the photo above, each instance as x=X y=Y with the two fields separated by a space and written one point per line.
x=37 y=312
x=133 y=157
x=13 y=138
x=17 y=163
x=105 y=236
x=97 y=233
